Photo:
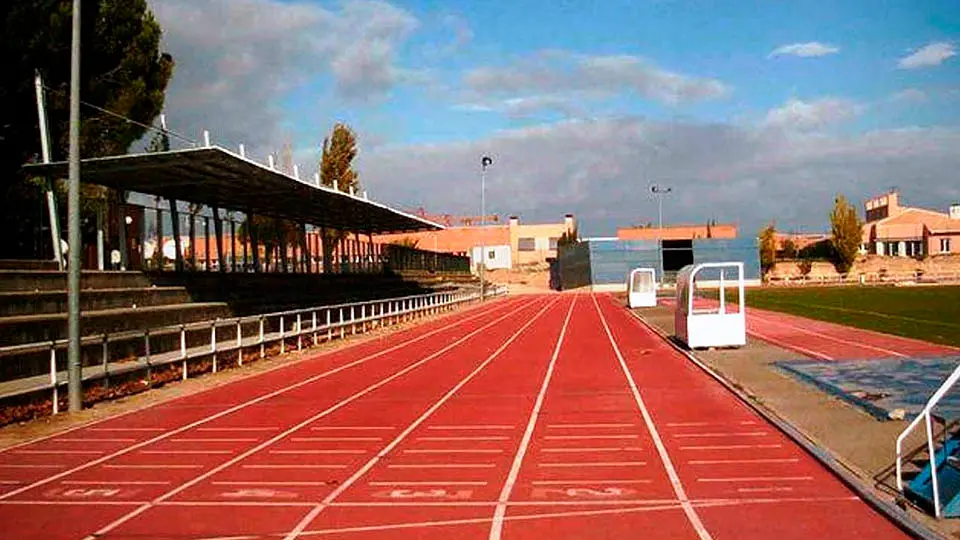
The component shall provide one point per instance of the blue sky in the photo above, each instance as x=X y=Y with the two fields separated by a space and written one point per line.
x=862 y=95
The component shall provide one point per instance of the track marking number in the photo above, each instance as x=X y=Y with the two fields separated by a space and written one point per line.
x=90 y=493
x=258 y=494
x=581 y=492
x=459 y=494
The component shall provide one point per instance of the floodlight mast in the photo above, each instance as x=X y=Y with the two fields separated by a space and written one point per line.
x=659 y=192
x=485 y=162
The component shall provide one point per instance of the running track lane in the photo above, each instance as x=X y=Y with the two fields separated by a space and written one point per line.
x=109 y=464
x=744 y=478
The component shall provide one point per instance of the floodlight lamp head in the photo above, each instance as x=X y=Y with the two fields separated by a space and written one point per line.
x=486 y=161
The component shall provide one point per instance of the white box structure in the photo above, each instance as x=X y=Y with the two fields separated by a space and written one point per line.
x=710 y=323
x=642 y=287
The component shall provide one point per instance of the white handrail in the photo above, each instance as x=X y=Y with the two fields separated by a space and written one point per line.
x=924 y=416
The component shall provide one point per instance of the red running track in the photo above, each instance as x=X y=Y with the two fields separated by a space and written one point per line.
x=557 y=416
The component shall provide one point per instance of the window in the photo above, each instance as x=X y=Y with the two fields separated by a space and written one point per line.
x=526 y=244
x=944 y=245
x=553 y=242
x=893 y=249
x=491 y=254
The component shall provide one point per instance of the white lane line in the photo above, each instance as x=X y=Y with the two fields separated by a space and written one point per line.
x=688 y=424
x=338 y=451
x=759 y=479
x=725 y=461
x=594 y=449
x=203 y=440
x=763 y=489
x=790 y=346
x=444 y=466
x=92 y=440
x=595 y=464
x=688 y=508
x=153 y=466
x=454 y=451
x=352 y=428
x=58 y=452
x=186 y=452
x=589 y=482
x=491 y=438
x=292 y=535
x=255 y=483
x=238 y=429
x=587 y=437
x=731 y=447
x=297 y=466
x=434 y=483
x=29 y=466
x=496 y=525
x=280 y=436
x=336 y=439
x=474 y=426
x=833 y=338
x=116 y=482
x=588 y=426
x=11 y=482
x=728 y=434
x=231 y=410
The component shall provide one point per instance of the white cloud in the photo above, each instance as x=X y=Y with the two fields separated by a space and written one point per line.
x=806 y=115
x=805 y=50
x=600 y=169
x=933 y=54
x=237 y=59
x=558 y=72
x=911 y=95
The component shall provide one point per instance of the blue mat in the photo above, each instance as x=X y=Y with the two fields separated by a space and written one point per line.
x=881 y=386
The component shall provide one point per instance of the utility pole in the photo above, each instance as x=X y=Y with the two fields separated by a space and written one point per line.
x=485 y=162
x=660 y=191
x=74 y=390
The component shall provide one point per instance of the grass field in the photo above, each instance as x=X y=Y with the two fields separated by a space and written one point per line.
x=928 y=313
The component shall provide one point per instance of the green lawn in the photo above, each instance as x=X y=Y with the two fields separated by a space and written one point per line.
x=927 y=313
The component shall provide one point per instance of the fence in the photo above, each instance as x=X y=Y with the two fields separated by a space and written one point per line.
x=169 y=345
x=871 y=278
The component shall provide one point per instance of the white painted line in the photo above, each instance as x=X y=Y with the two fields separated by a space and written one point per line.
x=790 y=346
x=352 y=428
x=688 y=508
x=297 y=452
x=29 y=466
x=490 y=438
x=748 y=423
x=202 y=440
x=763 y=490
x=588 y=426
x=186 y=452
x=153 y=466
x=281 y=466
x=291 y=484
x=454 y=451
x=729 y=434
x=595 y=449
x=10 y=482
x=445 y=466
x=292 y=535
x=276 y=438
x=115 y=482
x=595 y=464
x=435 y=483
x=496 y=524
x=731 y=447
x=231 y=410
x=833 y=338
x=58 y=452
x=724 y=461
x=688 y=424
x=93 y=440
x=238 y=429
x=587 y=437
x=336 y=439
x=474 y=426
x=759 y=479
x=589 y=482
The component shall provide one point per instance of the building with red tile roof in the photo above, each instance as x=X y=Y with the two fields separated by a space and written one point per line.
x=895 y=230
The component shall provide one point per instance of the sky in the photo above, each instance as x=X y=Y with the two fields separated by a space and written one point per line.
x=750 y=111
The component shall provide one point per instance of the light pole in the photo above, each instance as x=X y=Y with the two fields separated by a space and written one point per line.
x=74 y=391
x=485 y=162
x=659 y=192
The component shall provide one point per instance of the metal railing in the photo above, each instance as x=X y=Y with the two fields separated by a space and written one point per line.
x=925 y=417
x=236 y=335
x=872 y=278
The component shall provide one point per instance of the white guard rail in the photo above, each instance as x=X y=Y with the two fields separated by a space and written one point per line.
x=924 y=417
x=317 y=322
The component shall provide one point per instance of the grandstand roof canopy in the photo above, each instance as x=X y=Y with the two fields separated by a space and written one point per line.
x=217 y=177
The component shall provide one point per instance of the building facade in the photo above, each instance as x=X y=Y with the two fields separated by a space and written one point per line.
x=679 y=232
x=902 y=231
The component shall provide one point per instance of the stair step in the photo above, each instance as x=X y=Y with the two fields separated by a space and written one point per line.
x=45 y=302
x=28 y=264
x=47 y=280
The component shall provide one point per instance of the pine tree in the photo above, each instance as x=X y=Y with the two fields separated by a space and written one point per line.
x=336 y=171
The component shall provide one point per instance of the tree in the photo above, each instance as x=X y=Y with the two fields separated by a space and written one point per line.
x=805 y=266
x=336 y=170
x=768 y=248
x=846 y=237
x=568 y=238
x=122 y=70
x=407 y=242
x=789 y=249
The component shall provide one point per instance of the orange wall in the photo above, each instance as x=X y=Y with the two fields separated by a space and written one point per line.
x=680 y=232
x=453 y=239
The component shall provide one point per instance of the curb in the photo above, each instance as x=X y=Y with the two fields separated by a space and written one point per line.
x=825 y=457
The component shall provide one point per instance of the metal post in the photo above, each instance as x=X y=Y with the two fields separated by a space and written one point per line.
x=45 y=153
x=485 y=161
x=74 y=391
x=183 y=350
x=218 y=231
x=53 y=378
x=239 y=344
x=177 y=246
x=660 y=191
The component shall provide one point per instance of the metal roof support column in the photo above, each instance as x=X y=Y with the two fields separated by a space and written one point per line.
x=175 y=221
x=304 y=248
x=357 y=256
x=218 y=232
x=233 y=245
x=206 y=243
x=246 y=249
x=253 y=241
x=122 y=229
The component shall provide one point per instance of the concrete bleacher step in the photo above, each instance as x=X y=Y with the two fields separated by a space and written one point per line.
x=48 y=280
x=24 y=264
x=50 y=326
x=40 y=302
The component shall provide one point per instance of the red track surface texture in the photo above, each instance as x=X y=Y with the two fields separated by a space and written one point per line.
x=541 y=417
